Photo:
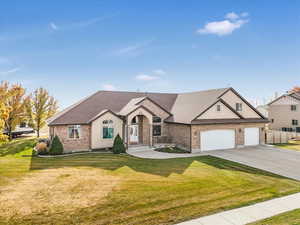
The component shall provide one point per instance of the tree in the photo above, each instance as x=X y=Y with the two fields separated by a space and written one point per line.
x=56 y=147
x=12 y=98
x=118 y=146
x=3 y=117
x=39 y=107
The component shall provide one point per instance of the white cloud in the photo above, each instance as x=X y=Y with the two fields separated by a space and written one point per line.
x=14 y=70
x=145 y=77
x=108 y=87
x=244 y=14
x=134 y=49
x=232 y=16
x=224 y=27
x=159 y=72
x=53 y=26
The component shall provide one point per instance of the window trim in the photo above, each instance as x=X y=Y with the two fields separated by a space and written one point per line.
x=160 y=120
x=76 y=126
x=293 y=107
x=296 y=122
x=156 y=125
x=239 y=107
x=108 y=124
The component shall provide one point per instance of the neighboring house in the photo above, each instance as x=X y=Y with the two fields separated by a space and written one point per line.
x=197 y=121
x=263 y=109
x=284 y=112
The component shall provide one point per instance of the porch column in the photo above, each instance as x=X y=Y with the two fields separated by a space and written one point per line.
x=127 y=135
x=151 y=135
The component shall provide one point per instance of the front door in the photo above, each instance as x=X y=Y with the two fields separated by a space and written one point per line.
x=134 y=133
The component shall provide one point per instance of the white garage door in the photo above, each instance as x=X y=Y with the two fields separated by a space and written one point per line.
x=252 y=136
x=217 y=139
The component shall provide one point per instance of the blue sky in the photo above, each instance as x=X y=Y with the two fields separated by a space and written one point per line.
x=74 y=48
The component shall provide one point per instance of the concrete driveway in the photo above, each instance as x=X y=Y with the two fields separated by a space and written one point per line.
x=282 y=162
x=278 y=161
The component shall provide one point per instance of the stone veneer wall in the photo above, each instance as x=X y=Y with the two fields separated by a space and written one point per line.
x=81 y=144
x=239 y=132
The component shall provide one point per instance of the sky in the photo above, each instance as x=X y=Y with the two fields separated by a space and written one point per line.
x=75 y=48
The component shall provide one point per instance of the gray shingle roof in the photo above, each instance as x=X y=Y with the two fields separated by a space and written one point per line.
x=103 y=100
x=184 y=107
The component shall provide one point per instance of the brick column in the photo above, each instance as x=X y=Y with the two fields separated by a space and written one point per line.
x=151 y=134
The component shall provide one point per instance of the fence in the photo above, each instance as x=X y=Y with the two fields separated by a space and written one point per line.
x=280 y=137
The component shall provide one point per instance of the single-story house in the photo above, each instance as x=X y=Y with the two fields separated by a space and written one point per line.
x=196 y=121
x=284 y=112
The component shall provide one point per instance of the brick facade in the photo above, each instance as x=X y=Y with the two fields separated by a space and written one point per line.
x=81 y=144
x=180 y=134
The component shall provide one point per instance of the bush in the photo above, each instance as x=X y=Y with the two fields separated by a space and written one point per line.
x=56 y=147
x=41 y=148
x=118 y=146
x=44 y=140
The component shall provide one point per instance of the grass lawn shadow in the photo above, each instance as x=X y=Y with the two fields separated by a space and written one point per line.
x=160 y=167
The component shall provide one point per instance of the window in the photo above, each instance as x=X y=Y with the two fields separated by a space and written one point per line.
x=238 y=107
x=295 y=122
x=108 y=130
x=218 y=108
x=156 y=119
x=156 y=130
x=74 y=131
x=293 y=108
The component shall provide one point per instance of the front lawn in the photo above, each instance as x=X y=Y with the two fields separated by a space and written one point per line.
x=98 y=188
x=292 y=145
x=288 y=218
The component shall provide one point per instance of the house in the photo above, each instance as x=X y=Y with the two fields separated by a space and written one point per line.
x=196 y=121
x=284 y=112
x=263 y=109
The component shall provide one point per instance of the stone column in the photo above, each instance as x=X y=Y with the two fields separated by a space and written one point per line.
x=151 y=134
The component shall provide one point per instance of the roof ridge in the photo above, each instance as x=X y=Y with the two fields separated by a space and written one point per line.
x=215 y=89
x=75 y=105
x=141 y=92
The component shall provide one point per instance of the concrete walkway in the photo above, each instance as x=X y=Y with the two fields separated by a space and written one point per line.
x=251 y=213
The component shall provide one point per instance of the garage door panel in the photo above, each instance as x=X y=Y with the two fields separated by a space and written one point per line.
x=251 y=136
x=217 y=139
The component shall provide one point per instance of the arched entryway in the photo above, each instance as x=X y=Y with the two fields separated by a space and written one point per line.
x=139 y=131
x=139 y=127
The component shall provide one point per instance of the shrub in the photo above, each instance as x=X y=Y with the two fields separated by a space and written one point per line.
x=44 y=140
x=118 y=146
x=41 y=148
x=56 y=147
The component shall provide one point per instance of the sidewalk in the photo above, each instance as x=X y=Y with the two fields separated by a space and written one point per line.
x=251 y=213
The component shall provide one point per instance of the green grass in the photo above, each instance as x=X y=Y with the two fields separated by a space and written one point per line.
x=120 y=189
x=171 y=150
x=288 y=218
x=291 y=145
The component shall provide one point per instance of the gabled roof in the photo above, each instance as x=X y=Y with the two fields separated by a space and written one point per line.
x=90 y=107
x=295 y=95
x=223 y=102
x=183 y=108
x=188 y=105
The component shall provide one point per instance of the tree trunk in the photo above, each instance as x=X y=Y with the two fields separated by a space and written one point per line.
x=10 y=134
x=38 y=132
